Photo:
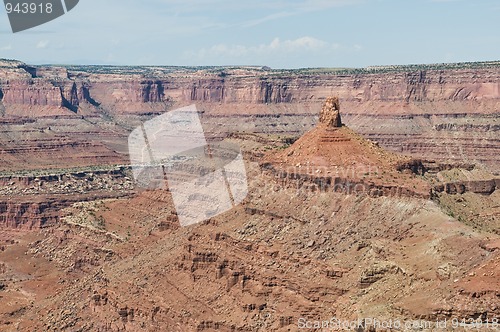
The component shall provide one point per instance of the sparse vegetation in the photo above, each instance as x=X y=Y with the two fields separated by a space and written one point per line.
x=223 y=71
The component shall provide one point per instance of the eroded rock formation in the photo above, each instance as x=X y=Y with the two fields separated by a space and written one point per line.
x=426 y=112
x=330 y=113
x=22 y=84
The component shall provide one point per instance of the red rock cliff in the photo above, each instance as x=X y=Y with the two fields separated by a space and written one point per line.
x=411 y=110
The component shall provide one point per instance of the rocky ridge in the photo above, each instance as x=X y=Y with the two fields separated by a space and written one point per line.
x=36 y=201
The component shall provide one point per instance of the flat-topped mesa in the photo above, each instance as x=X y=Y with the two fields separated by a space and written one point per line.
x=330 y=113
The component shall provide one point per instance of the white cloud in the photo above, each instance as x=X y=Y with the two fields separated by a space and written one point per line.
x=323 y=4
x=298 y=8
x=231 y=5
x=267 y=18
x=300 y=45
x=6 y=48
x=274 y=9
x=42 y=44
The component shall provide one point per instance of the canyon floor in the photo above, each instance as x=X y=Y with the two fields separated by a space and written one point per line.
x=393 y=216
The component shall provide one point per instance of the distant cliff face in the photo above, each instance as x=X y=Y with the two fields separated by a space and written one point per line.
x=411 y=111
x=58 y=87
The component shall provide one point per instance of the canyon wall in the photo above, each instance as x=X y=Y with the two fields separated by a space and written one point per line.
x=430 y=112
x=35 y=201
x=59 y=87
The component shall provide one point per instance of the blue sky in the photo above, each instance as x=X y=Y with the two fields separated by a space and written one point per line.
x=276 y=33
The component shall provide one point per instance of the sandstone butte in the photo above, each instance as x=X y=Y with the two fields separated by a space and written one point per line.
x=345 y=161
x=389 y=210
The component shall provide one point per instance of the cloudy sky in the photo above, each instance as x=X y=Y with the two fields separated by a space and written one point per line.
x=276 y=33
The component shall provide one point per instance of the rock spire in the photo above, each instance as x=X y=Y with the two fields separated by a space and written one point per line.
x=330 y=113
